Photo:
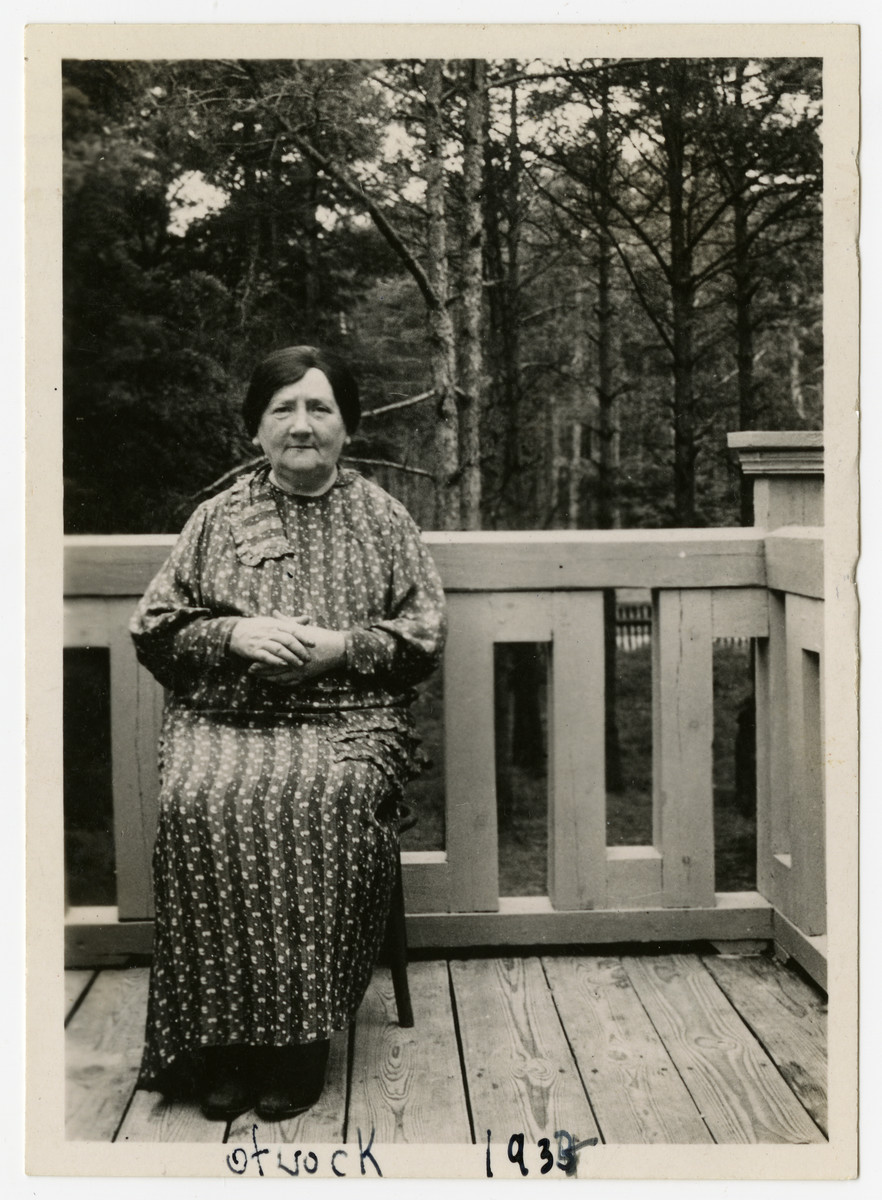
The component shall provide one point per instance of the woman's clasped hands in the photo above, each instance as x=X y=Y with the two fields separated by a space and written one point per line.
x=286 y=650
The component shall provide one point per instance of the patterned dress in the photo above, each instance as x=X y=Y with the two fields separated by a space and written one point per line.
x=277 y=841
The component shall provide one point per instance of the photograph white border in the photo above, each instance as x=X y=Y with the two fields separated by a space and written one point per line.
x=44 y=501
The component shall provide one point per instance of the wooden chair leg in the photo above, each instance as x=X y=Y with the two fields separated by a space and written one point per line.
x=397 y=949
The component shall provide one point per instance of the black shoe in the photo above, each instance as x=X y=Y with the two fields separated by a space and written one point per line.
x=227 y=1087
x=295 y=1079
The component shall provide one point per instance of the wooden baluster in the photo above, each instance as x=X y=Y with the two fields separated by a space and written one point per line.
x=577 y=770
x=773 y=761
x=804 y=624
x=682 y=684
x=469 y=755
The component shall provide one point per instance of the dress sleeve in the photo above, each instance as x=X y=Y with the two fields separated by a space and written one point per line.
x=176 y=637
x=404 y=647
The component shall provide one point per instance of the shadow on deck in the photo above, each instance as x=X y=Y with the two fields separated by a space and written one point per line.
x=671 y=1048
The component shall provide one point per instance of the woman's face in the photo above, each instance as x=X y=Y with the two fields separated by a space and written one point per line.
x=302 y=433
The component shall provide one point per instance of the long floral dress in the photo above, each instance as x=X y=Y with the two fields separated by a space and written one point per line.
x=277 y=840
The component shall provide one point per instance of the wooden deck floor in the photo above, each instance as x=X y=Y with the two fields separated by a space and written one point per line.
x=680 y=1048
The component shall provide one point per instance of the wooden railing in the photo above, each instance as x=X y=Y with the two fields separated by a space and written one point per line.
x=763 y=583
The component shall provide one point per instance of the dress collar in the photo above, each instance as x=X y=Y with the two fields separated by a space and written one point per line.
x=255 y=517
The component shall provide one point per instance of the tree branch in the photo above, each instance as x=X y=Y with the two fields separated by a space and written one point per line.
x=384 y=462
x=376 y=412
x=643 y=299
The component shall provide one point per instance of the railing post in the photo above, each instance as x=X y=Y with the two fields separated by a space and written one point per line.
x=787 y=470
x=788 y=490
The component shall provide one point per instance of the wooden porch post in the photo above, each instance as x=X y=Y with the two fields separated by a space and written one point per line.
x=788 y=503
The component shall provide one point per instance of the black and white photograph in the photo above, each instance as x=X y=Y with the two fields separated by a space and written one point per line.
x=444 y=763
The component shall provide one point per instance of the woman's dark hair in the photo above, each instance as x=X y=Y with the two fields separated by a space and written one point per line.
x=286 y=366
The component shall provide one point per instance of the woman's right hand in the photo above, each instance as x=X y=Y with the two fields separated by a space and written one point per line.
x=277 y=640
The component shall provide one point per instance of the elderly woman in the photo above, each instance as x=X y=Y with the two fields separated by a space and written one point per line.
x=291 y=620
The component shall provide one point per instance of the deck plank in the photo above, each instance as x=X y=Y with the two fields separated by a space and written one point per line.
x=634 y=1088
x=322 y=1123
x=519 y=1070
x=103 y=1052
x=75 y=983
x=407 y=1083
x=788 y=1016
x=152 y=1118
x=738 y=1032
x=735 y=1084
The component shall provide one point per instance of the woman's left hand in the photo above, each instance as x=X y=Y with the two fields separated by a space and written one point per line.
x=328 y=651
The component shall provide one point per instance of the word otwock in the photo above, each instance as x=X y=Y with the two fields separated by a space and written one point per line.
x=342 y=1160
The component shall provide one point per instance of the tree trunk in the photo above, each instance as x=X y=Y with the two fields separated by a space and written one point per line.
x=311 y=252
x=472 y=397
x=682 y=287
x=797 y=395
x=512 y=364
x=743 y=299
x=608 y=516
x=527 y=676
x=607 y=495
x=503 y=418
x=441 y=333
x=684 y=409
x=497 y=399
x=503 y=719
x=744 y=345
